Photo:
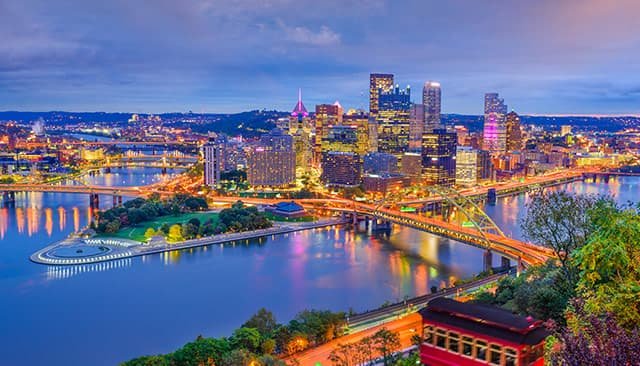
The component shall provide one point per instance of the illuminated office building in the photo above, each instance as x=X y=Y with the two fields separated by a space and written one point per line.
x=213 y=160
x=412 y=166
x=485 y=166
x=360 y=121
x=514 y=132
x=393 y=121
x=466 y=166
x=439 y=157
x=495 y=127
x=377 y=83
x=416 y=127
x=379 y=163
x=565 y=130
x=273 y=161
x=327 y=115
x=431 y=95
x=342 y=169
x=302 y=130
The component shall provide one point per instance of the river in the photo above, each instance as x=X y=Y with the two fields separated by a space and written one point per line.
x=106 y=313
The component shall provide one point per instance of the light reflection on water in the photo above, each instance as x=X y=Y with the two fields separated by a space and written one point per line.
x=210 y=290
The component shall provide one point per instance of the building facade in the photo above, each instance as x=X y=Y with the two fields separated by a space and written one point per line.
x=431 y=99
x=466 y=166
x=213 y=160
x=439 y=157
x=514 y=132
x=377 y=83
x=392 y=121
x=342 y=169
x=495 y=127
x=273 y=162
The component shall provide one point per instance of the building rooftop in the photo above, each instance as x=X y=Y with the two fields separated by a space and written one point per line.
x=289 y=207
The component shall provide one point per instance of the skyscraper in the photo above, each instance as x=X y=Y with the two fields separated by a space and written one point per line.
x=416 y=127
x=514 y=132
x=393 y=121
x=213 y=160
x=327 y=115
x=302 y=130
x=495 y=127
x=439 y=157
x=273 y=161
x=431 y=96
x=378 y=82
x=466 y=166
x=342 y=169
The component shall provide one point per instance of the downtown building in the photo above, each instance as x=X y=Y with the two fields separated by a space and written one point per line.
x=341 y=169
x=273 y=162
x=514 y=132
x=439 y=157
x=302 y=129
x=431 y=99
x=393 y=121
x=466 y=166
x=495 y=126
x=213 y=151
x=378 y=83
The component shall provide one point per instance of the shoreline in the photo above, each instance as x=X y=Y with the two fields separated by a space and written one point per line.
x=41 y=256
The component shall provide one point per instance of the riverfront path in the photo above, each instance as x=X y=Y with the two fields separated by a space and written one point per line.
x=126 y=250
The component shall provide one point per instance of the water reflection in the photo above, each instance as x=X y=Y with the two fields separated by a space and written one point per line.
x=65 y=272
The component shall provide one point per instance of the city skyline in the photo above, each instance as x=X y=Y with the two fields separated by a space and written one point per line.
x=551 y=59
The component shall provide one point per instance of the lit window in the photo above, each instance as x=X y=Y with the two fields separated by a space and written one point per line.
x=481 y=350
x=510 y=356
x=495 y=354
x=428 y=334
x=453 y=342
x=467 y=346
x=441 y=338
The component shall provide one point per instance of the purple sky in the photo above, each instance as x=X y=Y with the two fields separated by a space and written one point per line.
x=542 y=56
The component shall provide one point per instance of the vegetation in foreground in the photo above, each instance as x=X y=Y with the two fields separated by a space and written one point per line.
x=260 y=341
x=590 y=296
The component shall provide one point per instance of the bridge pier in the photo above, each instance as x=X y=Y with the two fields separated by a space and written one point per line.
x=107 y=170
x=505 y=262
x=94 y=200
x=487 y=261
x=117 y=201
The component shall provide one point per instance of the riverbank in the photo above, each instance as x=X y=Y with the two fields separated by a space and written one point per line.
x=77 y=250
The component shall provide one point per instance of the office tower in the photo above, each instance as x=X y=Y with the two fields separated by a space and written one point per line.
x=341 y=169
x=514 y=132
x=565 y=130
x=273 y=161
x=485 y=166
x=412 y=166
x=213 y=160
x=360 y=121
x=393 y=121
x=416 y=127
x=495 y=129
x=463 y=135
x=431 y=96
x=340 y=138
x=377 y=83
x=327 y=115
x=302 y=129
x=378 y=163
x=466 y=166
x=385 y=182
x=439 y=157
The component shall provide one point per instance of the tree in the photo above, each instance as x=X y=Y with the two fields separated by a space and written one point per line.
x=165 y=228
x=596 y=340
x=264 y=321
x=246 y=338
x=202 y=351
x=386 y=344
x=237 y=357
x=562 y=222
x=112 y=227
x=189 y=231
x=175 y=233
x=609 y=266
x=149 y=233
x=268 y=346
x=159 y=360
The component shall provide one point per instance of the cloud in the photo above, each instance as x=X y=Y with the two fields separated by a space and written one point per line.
x=324 y=37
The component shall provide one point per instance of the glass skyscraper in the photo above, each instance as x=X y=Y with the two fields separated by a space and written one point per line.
x=439 y=157
x=431 y=96
x=393 y=121
x=495 y=126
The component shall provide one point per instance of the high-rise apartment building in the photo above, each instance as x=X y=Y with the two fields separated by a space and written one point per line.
x=514 y=132
x=431 y=99
x=393 y=121
x=439 y=157
x=273 y=161
x=377 y=83
x=495 y=127
x=466 y=166
x=213 y=160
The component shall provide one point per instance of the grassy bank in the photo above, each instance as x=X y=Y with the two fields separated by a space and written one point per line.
x=136 y=232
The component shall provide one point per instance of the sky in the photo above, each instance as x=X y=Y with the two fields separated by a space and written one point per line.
x=153 y=56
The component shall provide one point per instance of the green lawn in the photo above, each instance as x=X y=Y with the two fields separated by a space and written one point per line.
x=137 y=232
